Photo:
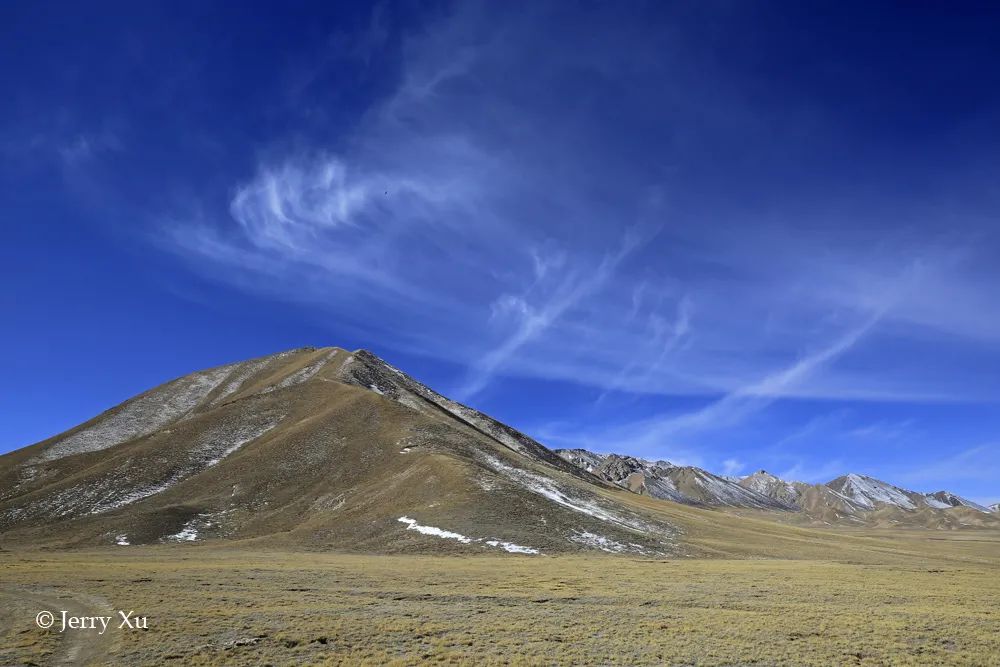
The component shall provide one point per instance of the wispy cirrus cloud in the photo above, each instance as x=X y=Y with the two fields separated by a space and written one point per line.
x=425 y=218
x=535 y=320
x=814 y=472
x=661 y=434
x=475 y=217
x=980 y=463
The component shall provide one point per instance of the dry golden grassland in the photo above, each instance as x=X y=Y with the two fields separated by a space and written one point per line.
x=912 y=597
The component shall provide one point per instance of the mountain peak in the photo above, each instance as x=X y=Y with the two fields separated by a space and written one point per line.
x=871 y=493
x=312 y=446
x=949 y=499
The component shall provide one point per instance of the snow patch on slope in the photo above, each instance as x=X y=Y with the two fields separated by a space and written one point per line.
x=602 y=543
x=117 y=488
x=244 y=371
x=510 y=547
x=869 y=492
x=547 y=487
x=140 y=416
x=411 y=524
x=212 y=448
x=191 y=530
x=189 y=533
x=947 y=499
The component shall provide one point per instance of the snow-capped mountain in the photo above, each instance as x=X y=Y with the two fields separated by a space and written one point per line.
x=948 y=499
x=871 y=493
x=663 y=479
x=847 y=496
x=995 y=507
x=773 y=487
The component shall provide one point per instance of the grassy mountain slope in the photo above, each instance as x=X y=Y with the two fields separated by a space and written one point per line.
x=316 y=447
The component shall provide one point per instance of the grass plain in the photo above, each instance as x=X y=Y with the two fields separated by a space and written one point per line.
x=908 y=597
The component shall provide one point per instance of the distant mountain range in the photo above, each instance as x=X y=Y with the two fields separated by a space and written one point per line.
x=329 y=449
x=848 y=497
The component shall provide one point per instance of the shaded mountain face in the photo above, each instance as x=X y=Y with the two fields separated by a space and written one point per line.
x=320 y=448
x=843 y=499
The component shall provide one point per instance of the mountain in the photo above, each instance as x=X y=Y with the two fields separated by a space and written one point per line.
x=321 y=448
x=316 y=448
x=871 y=493
x=995 y=507
x=766 y=484
x=582 y=458
x=847 y=498
x=948 y=499
x=662 y=479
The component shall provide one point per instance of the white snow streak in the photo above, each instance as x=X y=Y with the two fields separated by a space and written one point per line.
x=208 y=454
x=510 y=547
x=547 y=487
x=189 y=533
x=303 y=374
x=595 y=541
x=141 y=416
x=868 y=492
x=243 y=371
x=411 y=524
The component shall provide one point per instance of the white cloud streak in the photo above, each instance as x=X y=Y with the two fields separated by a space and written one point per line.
x=467 y=216
x=535 y=321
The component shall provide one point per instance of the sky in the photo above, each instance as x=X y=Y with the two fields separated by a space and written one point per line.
x=733 y=235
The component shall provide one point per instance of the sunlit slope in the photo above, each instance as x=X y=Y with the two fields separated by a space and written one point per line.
x=316 y=447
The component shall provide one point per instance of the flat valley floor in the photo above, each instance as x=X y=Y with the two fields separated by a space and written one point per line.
x=891 y=598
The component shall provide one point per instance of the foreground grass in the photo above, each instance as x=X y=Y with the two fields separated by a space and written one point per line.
x=210 y=607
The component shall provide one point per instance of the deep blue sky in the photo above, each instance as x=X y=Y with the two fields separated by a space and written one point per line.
x=732 y=234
